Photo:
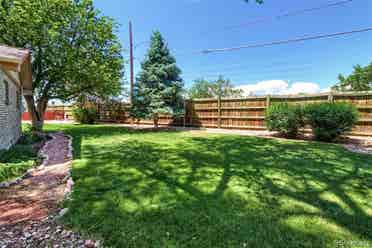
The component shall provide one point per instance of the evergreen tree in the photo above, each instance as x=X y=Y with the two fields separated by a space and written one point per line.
x=158 y=88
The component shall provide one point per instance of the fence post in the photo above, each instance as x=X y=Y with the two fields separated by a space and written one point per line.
x=330 y=97
x=219 y=111
x=268 y=101
x=185 y=112
x=99 y=111
x=191 y=110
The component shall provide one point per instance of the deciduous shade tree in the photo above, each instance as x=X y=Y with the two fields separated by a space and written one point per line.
x=158 y=88
x=213 y=89
x=201 y=88
x=359 y=80
x=75 y=50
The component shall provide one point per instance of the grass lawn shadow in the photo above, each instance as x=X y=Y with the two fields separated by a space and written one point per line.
x=177 y=189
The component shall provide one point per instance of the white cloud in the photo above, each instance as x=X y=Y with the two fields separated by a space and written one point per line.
x=302 y=87
x=264 y=87
x=325 y=90
x=276 y=87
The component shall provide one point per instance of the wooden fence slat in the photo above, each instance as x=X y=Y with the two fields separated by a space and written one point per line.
x=219 y=112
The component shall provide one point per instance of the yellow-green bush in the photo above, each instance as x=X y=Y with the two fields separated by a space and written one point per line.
x=285 y=118
x=330 y=120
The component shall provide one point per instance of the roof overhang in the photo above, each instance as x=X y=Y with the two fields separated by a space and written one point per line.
x=17 y=60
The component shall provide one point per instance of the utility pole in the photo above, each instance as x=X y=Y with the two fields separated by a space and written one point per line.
x=131 y=62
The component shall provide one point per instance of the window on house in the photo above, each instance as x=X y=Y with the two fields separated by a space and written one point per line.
x=6 y=88
x=19 y=100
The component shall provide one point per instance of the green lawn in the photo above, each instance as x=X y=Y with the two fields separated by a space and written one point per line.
x=178 y=189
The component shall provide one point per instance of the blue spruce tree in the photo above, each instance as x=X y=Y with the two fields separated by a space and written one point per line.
x=158 y=88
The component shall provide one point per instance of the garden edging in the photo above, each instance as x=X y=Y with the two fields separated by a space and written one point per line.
x=68 y=179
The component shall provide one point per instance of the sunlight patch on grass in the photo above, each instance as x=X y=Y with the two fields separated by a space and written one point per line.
x=291 y=205
x=333 y=198
x=316 y=225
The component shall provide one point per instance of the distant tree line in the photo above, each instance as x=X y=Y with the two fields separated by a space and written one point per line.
x=359 y=80
x=213 y=89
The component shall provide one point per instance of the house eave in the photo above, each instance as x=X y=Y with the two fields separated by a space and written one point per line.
x=10 y=60
x=17 y=60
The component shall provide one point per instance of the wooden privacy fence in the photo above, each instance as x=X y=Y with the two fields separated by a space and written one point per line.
x=54 y=112
x=248 y=112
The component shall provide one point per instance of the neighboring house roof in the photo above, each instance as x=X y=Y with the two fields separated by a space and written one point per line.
x=12 y=54
x=18 y=61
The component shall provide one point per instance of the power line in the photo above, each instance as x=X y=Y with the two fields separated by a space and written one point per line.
x=254 y=74
x=239 y=65
x=288 y=14
x=262 y=63
x=280 y=16
x=245 y=69
x=272 y=18
x=278 y=74
x=281 y=42
x=272 y=43
x=267 y=70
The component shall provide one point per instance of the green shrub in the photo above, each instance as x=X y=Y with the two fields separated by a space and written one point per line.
x=16 y=161
x=22 y=156
x=85 y=115
x=330 y=120
x=29 y=136
x=285 y=118
x=17 y=153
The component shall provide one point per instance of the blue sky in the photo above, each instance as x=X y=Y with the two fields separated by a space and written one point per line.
x=192 y=25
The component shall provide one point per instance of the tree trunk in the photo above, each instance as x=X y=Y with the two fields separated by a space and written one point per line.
x=156 y=121
x=36 y=112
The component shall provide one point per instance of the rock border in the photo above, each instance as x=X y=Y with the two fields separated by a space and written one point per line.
x=68 y=179
x=27 y=174
x=357 y=149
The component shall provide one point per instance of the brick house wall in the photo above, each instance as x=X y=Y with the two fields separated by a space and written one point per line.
x=10 y=112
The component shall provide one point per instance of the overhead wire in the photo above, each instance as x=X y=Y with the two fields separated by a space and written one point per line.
x=286 y=14
x=281 y=42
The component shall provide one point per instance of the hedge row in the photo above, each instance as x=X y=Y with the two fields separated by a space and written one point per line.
x=328 y=121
